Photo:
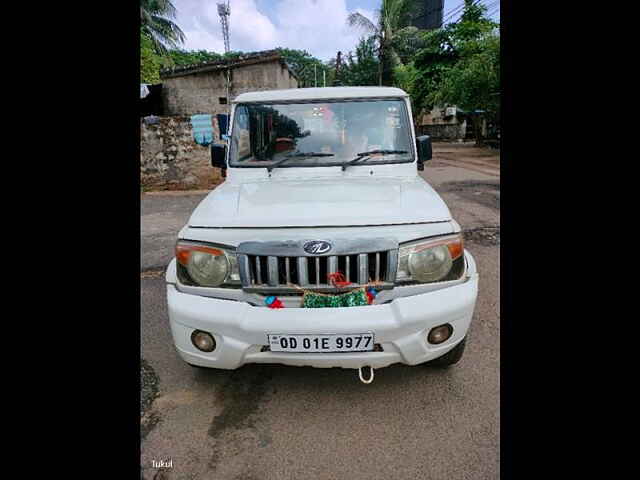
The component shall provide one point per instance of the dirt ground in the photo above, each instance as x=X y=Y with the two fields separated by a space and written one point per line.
x=480 y=159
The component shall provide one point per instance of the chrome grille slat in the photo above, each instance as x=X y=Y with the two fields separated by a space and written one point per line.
x=392 y=265
x=277 y=273
x=272 y=271
x=303 y=275
x=333 y=264
x=363 y=268
x=258 y=271
x=348 y=268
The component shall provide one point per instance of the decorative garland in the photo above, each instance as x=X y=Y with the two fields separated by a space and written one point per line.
x=360 y=296
x=354 y=298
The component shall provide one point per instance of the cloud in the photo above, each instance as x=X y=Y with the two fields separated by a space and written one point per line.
x=318 y=26
x=250 y=28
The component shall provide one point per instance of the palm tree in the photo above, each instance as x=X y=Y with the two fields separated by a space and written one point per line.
x=156 y=23
x=392 y=21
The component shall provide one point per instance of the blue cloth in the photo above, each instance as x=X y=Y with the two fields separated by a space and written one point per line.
x=202 y=129
x=223 y=120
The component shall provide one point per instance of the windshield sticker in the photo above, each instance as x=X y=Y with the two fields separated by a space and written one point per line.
x=393 y=122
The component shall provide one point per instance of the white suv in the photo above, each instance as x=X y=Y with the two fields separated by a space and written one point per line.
x=322 y=207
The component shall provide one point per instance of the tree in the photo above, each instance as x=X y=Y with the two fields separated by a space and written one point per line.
x=307 y=67
x=473 y=83
x=363 y=69
x=181 y=57
x=405 y=77
x=408 y=41
x=429 y=65
x=156 y=24
x=150 y=61
x=441 y=51
x=393 y=17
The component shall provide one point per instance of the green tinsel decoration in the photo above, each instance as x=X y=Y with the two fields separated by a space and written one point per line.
x=354 y=298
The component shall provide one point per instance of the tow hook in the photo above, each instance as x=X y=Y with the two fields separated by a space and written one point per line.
x=370 y=374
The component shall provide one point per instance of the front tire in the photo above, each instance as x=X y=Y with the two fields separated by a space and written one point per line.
x=452 y=357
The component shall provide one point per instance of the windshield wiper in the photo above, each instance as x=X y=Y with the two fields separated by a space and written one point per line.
x=297 y=155
x=366 y=155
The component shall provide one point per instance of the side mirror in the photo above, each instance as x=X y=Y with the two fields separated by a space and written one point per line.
x=218 y=156
x=425 y=152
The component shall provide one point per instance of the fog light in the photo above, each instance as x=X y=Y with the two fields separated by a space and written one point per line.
x=203 y=341
x=440 y=334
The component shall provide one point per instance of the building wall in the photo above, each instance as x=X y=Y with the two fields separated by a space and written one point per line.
x=443 y=132
x=170 y=158
x=427 y=14
x=436 y=117
x=200 y=92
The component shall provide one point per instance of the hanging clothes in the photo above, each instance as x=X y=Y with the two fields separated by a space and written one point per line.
x=202 y=129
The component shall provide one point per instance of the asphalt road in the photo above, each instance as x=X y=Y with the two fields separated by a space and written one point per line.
x=277 y=422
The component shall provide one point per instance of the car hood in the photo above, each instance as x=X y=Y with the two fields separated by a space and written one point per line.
x=320 y=202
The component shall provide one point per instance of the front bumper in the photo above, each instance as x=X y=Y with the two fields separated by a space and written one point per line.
x=400 y=327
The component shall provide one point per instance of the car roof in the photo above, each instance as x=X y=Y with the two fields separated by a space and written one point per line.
x=325 y=93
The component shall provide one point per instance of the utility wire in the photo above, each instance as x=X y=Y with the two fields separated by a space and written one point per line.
x=476 y=3
x=492 y=5
x=452 y=12
x=459 y=10
x=449 y=15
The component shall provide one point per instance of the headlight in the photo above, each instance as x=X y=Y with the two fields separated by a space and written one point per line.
x=428 y=261
x=206 y=266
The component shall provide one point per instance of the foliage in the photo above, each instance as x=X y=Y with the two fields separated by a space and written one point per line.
x=150 y=61
x=392 y=25
x=157 y=25
x=405 y=76
x=407 y=42
x=363 y=69
x=181 y=57
x=430 y=64
x=303 y=63
x=473 y=83
x=445 y=53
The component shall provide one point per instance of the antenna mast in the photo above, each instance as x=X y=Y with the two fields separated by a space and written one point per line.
x=225 y=12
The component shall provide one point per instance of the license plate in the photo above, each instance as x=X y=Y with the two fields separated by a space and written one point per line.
x=350 y=342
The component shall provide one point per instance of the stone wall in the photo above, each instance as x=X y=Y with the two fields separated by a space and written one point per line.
x=170 y=158
x=443 y=131
x=200 y=92
x=436 y=116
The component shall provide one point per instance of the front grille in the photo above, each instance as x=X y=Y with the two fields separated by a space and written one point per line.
x=274 y=271
x=263 y=273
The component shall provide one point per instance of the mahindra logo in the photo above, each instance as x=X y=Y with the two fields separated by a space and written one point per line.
x=316 y=247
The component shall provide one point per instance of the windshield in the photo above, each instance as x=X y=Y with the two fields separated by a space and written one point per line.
x=320 y=134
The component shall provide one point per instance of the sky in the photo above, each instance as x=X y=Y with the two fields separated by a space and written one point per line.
x=317 y=26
